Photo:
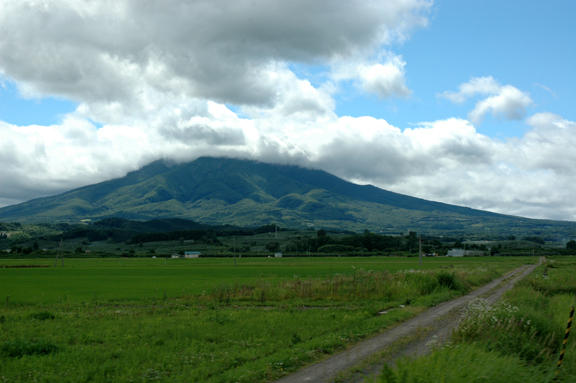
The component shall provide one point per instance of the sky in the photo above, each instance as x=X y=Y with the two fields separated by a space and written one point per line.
x=464 y=102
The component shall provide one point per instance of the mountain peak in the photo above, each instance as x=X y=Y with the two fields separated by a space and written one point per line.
x=251 y=193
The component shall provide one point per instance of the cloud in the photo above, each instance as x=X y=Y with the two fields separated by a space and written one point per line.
x=476 y=86
x=180 y=79
x=547 y=89
x=445 y=160
x=384 y=80
x=547 y=145
x=510 y=103
x=158 y=78
x=109 y=51
x=504 y=102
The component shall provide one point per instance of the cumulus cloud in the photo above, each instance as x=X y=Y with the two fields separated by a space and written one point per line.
x=509 y=103
x=384 y=80
x=505 y=101
x=476 y=86
x=158 y=78
x=547 y=145
x=445 y=160
x=384 y=76
x=181 y=79
x=215 y=49
x=528 y=176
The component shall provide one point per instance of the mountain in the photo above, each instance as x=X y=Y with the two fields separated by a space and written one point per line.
x=250 y=193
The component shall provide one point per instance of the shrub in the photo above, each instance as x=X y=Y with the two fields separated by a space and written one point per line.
x=447 y=280
x=43 y=315
x=19 y=348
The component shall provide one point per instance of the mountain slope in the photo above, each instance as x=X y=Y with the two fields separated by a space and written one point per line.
x=241 y=192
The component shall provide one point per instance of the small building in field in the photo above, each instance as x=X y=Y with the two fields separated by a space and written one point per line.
x=278 y=255
x=456 y=253
x=467 y=253
x=192 y=254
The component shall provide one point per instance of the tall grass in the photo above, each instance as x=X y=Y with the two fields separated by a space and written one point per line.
x=404 y=287
x=463 y=363
x=518 y=339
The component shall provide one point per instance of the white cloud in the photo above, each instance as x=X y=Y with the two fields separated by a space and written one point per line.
x=529 y=176
x=181 y=79
x=547 y=145
x=446 y=160
x=157 y=75
x=384 y=76
x=385 y=80
x=211 y=49
x=509 y=103
x=476 y=86
x=504 y=102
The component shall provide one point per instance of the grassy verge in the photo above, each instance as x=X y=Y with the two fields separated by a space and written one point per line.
x=517 y=340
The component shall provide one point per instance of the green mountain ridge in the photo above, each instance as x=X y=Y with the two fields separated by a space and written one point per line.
x=250 y=193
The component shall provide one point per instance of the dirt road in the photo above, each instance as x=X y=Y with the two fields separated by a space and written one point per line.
x=433 y=326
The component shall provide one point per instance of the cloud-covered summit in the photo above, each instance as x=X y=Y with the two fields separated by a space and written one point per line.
x=259 y=79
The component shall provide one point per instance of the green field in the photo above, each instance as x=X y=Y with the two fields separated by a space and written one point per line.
x=209 y=320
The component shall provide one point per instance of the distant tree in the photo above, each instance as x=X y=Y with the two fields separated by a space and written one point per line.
x=273 y=247
x=322 y=238
x=535 y=239
x=412 y=241
x=495 y=250
x=571 y=245
x=335 y=248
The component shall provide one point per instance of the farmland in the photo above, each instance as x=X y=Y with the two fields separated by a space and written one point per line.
x=209 y=320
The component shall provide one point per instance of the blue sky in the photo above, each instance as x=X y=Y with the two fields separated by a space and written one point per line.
x=409 y=95
x=19 y=110
x=528 y=44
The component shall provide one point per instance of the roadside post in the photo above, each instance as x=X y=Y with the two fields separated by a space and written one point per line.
x=420 y=249
x=564 y=342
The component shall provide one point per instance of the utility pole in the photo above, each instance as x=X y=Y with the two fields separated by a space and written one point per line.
x=58 y=254
x=420 y=249
x=234 y=251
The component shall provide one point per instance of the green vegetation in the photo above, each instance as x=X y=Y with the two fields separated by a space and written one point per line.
x=236 y=192
x=165 y=237
x=517 y=340
x=182 y=320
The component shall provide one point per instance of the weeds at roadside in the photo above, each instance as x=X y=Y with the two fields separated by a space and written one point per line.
x=517 y=340
x=403 y=287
